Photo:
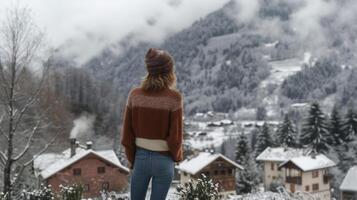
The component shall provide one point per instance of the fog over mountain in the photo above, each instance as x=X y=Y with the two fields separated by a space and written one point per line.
x=223 y=58
x=231 y=56
x=81 y=29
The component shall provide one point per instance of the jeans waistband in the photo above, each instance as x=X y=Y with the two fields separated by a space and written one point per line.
x=143 y=151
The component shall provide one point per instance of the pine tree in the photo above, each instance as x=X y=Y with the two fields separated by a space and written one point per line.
x=350 y=126
x=246 y=180
x=335 y=128
x=315 y=132
x=286 y=134
x=264 y=139
x=242 y=149
x=346 y=157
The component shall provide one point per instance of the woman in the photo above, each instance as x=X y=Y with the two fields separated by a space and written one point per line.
x=152 y=128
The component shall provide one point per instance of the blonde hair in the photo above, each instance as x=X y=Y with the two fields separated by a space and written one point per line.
x=156 y=82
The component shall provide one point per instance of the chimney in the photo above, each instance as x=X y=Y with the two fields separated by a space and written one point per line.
x=89 y=144
x=313 y=154
x=73 y=142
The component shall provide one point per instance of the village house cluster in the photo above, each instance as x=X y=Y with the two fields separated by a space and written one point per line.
x=297 y=170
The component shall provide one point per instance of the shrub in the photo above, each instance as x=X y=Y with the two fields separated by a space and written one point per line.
x=202 y=189
x=73 y=192
x=43 y=193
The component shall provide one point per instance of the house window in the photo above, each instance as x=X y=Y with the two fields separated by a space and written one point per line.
x=307 y=188
x=101 y=170
x=315 y=187
x=77 y=171
x=315 y=174
x=223 y=172
x=230 y=171
x=184 y=173
x=272 y=166
x=86 y=188
x=105 y=186
x=215 y=172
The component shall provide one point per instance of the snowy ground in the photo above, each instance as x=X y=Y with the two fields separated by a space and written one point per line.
x=270 y=87
x=282 y=69
x=202 y=135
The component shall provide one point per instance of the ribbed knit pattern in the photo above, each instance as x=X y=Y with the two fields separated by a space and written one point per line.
x=153 y=115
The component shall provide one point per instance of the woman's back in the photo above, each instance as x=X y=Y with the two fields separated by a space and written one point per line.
x=151 y=112
x=152 y=128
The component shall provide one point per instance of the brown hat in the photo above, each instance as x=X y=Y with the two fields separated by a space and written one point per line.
x=158 y=61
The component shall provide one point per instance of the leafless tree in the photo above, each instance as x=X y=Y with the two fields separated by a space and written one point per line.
x=20 y=43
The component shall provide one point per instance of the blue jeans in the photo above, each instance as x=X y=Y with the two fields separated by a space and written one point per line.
x=151 y=165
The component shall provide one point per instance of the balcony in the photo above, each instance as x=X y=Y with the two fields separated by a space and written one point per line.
x=293 y=179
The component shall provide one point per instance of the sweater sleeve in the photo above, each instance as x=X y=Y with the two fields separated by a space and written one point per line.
x=128 y=137
x=174 y=139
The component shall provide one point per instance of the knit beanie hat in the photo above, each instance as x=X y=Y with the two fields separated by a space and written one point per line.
x=158 y=61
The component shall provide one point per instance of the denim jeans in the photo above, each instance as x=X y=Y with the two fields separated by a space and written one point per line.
x=151 y=165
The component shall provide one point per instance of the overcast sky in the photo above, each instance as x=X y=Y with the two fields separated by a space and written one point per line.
x=84 y=27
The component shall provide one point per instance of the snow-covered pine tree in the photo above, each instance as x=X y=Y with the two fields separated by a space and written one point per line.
x=242 y=149
x=314 y=132
x=286 y=134
x=263 y=140
x=246 y=178
x=350 y=126
x=253 y=138
x=335 y=128
x=346 y=157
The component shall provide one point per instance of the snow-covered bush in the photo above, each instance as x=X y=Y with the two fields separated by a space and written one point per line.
x=3 y=196
x=105 y=195
x=43 y=193
x=202 y=189
x=73 y=192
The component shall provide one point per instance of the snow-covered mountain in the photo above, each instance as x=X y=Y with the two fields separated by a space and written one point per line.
x=226 y=63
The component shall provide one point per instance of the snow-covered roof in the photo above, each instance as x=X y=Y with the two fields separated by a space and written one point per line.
x=194 y=165
x=48 y=164
x=297 y=105
x=349 y=183
x=308 y=163
x=280 y=154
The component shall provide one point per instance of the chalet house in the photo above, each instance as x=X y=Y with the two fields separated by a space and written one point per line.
x=348 y=187
x=308 y=173
x=95 y=170
x=272 y=158
x=216 y=166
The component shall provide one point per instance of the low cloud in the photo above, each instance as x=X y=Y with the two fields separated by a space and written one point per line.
x=84 y=27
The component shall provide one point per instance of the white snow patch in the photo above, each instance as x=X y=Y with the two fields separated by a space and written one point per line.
x=307 y=58
x=273 y=44
x=194 y=165
x=280 y=154
x=308 y=163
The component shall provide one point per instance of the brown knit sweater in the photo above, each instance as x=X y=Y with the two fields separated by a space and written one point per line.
x=153 y=116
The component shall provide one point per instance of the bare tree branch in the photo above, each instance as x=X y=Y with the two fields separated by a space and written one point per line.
x=44 y=149
x=3 y=157
x=30 y=101
x=28 y=144
x=4 y=83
